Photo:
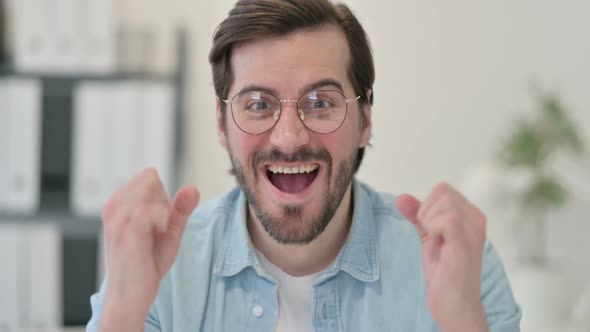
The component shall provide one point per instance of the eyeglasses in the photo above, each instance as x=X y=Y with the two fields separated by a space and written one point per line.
x=321 y=111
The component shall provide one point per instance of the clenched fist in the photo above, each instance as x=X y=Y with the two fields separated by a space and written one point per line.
x=453 y=233
x=142 y=235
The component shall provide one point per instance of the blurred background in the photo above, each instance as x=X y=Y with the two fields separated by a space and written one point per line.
x=491 y=97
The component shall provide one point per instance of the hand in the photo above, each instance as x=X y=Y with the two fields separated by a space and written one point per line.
x=452 y=232
x=142 y=235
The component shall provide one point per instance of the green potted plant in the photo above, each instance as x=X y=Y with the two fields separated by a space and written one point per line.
x=530 y=148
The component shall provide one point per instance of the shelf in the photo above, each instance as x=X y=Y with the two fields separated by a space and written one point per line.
x=81 y=234
x=71 y=225
x=9 y=71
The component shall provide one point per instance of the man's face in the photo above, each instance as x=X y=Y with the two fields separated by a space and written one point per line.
x=294 y=208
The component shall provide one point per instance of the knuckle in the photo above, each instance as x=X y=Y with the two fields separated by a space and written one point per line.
x=150 y=175
x=150 y=171
x=481 y=215
x=442 y=186
x=150 y=214
x=110 y=208
x=136 y=225
x=113 y=228
x=151 y=181
x=447 y=200
x=106 y=212
x=142 y=212
x=483 y=220
x=454 y=217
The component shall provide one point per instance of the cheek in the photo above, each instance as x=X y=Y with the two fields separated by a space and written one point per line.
x=344 y=140
x=340 y=145
x=242 y=146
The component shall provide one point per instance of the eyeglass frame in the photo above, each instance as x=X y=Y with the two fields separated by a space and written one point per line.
x=299 y=111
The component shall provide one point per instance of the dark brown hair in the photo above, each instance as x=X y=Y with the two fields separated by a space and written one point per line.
x=255 y=19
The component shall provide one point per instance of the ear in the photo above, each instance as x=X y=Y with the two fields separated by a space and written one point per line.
x=221 y=128
x=367 y=123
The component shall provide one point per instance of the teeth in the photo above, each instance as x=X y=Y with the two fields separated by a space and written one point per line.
x=293 y=170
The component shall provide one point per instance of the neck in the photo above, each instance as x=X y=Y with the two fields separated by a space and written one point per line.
x=300 y=260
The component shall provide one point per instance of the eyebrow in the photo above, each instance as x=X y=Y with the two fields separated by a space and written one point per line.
x=320 y=84
x=325 y=82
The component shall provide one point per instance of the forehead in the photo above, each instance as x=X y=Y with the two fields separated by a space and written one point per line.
x=289 y=62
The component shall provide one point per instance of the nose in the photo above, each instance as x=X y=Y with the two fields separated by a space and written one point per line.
x=289 y=133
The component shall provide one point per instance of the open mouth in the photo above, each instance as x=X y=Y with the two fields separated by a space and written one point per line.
x=292 y=179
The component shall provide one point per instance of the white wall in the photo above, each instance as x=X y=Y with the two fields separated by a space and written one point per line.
x=453 y=75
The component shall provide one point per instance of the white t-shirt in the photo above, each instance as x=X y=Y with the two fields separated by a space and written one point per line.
x=295 y=298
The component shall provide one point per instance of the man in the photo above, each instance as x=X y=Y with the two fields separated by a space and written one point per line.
x=300 y=245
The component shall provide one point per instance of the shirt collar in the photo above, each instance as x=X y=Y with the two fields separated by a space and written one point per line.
x=237 y=252
x=358 y=257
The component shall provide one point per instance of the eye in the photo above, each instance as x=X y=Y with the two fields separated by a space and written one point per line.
x=317 y=105
x=321 y=104
x=258 y=105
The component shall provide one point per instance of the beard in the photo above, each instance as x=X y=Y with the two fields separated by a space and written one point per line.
x=291 y=226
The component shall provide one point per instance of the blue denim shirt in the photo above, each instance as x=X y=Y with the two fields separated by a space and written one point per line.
x=375 y=284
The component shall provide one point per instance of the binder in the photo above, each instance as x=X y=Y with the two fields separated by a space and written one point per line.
x=25 y=145
x=34 y=34
x=44 y=268
x=92 y=163
x=119 y=129
x=64 y=48
x=11 y=288
x=64 y=36
x=158 y=132
x=96 y=28
x=125 y=141
x=4 y=142
x=20 y=144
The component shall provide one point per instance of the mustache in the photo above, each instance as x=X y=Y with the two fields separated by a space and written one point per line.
x=302 y=155
x=274 y=156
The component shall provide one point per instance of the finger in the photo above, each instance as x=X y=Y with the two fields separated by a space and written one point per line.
x=152 y=205
x=148 y=186
x=149 y=217
x=438 y=190
x=446 y=225
x=408 y=206
x=184 y=203
x=445 y=204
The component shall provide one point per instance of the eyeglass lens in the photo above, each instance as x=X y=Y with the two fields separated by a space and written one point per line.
x=321 y=111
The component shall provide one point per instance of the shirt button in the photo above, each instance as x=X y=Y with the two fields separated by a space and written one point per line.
x=257 y=311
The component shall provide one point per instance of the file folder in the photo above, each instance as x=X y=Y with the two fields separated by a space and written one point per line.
x=34 y=34
x=44 y=268
x=91 y=159
x=119 y=129
x=97 y=35
x=158 y=133
x=11 y=286
x=25 y=145
x=64 y=36
x=20 y=144
x=4 y=142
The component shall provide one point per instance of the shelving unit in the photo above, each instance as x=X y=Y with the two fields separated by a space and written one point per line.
x=80 y=234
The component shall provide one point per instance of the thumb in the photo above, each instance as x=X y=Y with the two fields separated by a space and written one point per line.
x=408 y=206
x=184 y=203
